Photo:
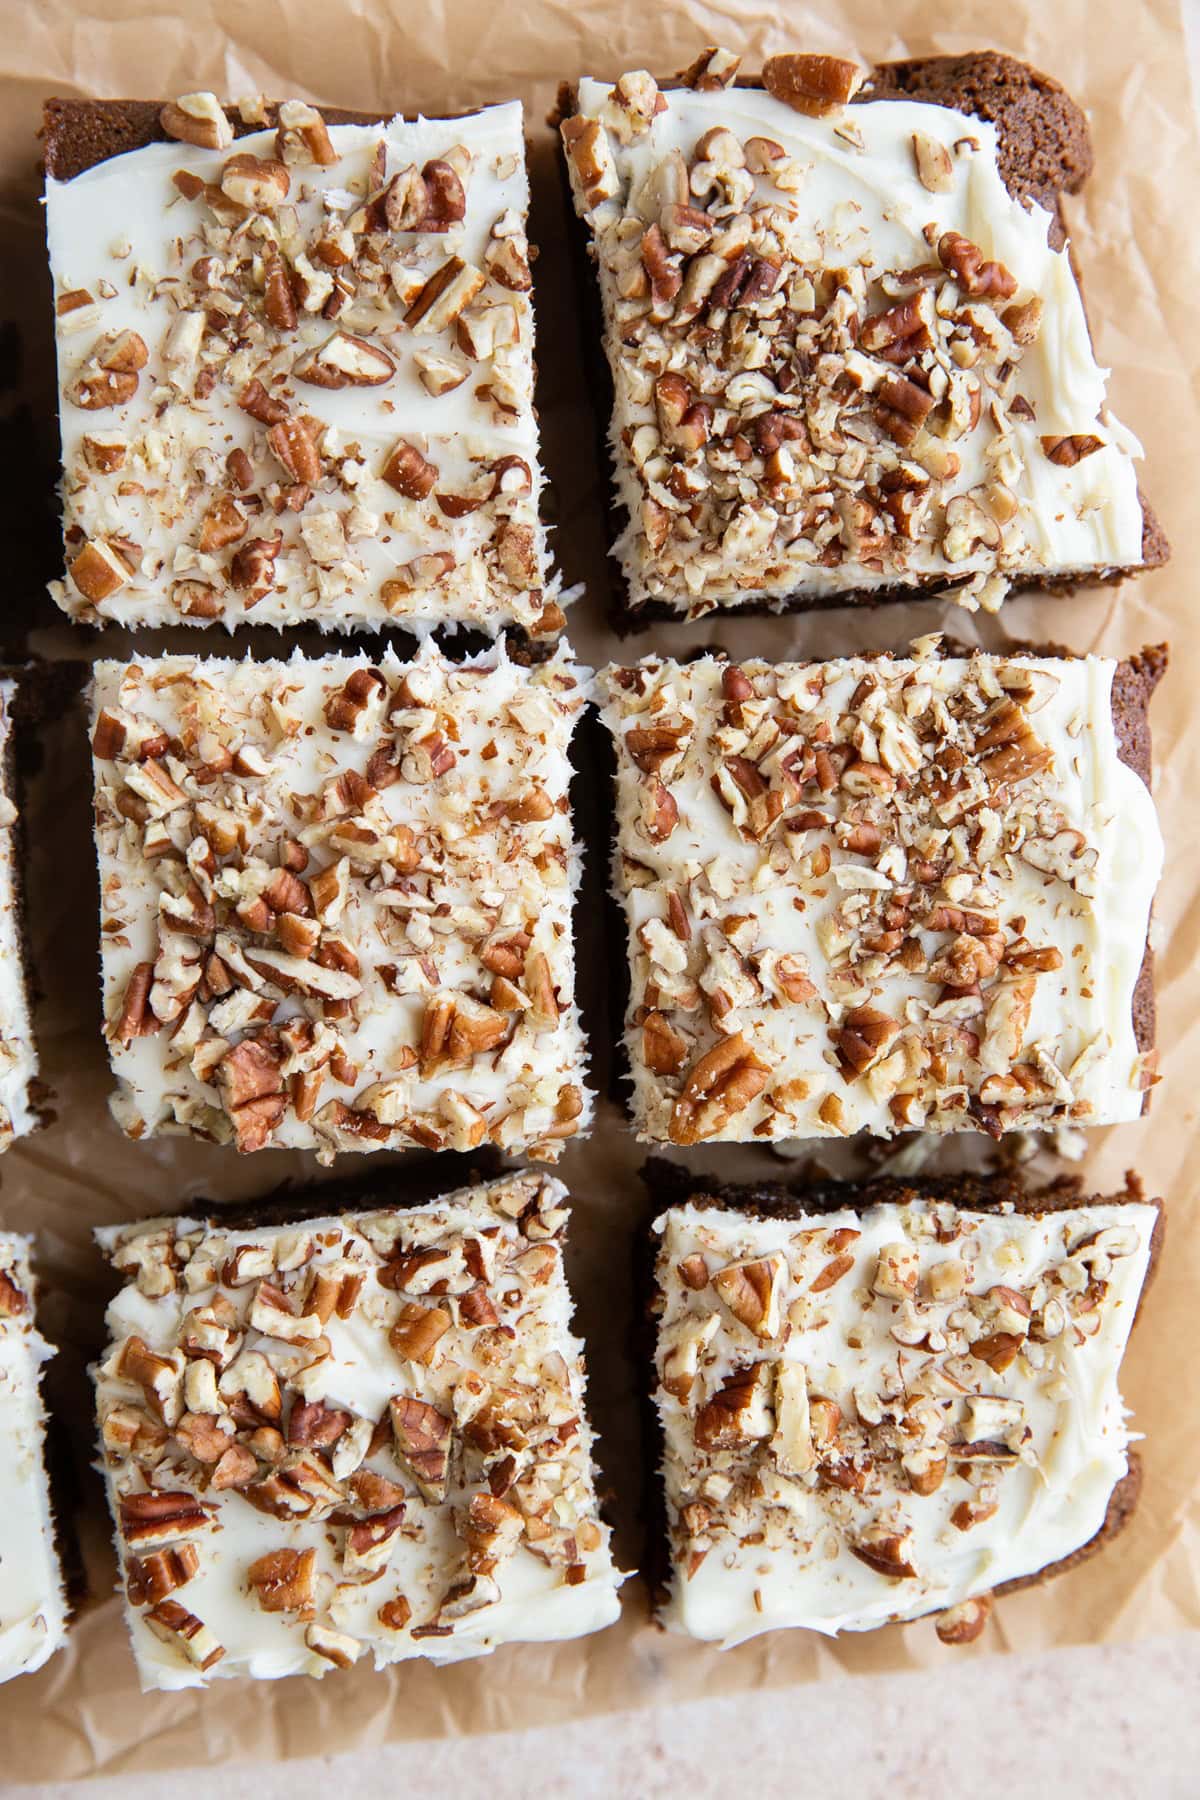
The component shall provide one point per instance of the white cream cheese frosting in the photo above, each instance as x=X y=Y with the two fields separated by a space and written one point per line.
x=156 y=513
x=33 y=1608
x=337 y=898
x=279 y=1381
x=18 y=1053
x=838 y=212
x=930 y=1409
x=879 y=894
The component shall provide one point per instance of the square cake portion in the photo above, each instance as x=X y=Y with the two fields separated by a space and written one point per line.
x=18 y=1055
x=885 y=894
x=892 y=1406
x=33 y=1607
x=296 y=367
x=336 y=901
x=849 y=356
x=354 y=1435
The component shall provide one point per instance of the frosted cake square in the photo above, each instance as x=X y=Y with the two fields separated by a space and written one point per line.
x=296 y=367
x=882 y=894
x=883 y=1400
x=337 y=901
x=356 y=1436
x=849 y=358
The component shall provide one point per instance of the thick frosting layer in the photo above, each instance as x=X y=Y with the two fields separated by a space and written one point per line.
x=336 y=900
x=18 y=1055
x=874 y=1415
x=33 y=1609
x=844 y=356
x=879 y=895
x=371 y=1431
x=390 y=443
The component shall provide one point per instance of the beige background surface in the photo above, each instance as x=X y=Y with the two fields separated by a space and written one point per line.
x=979 y=1717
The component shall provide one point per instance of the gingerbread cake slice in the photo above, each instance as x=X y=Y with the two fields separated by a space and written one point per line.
x=295 y=360
x=354 y=1436
x=336 y=900
x=19 y=1107
x=881 y=894
x=33 y=1607
x=848 y=359
x=882 y=1401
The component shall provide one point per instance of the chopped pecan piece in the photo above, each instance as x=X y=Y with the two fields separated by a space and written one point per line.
x=252 y=567
x=712 y=70
x=315 y=1425
x=423 y=1436
x=151 y=1578
x=739 y=1411
x=863 y=1037
x=135 y=1015
x=1067 y=451
x=295 y=442
x=492 y=1531
x=395 y=1614
x=660 y=811
x=345 y=360
x=751 y=1292
x=664 y=1050
x=175 y=1625
x=285 y=1581
x=418 y=1330
x=963 y=1623
x=197 y=119
x=887 y=1552
x=974 y=274
x=409 y=472
x=369 y=1541
x=719 y=1085
x=159 y=1518
x=815 y=85
x=12 y=1301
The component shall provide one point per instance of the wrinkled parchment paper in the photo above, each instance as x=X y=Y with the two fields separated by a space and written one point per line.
x=1136 y=235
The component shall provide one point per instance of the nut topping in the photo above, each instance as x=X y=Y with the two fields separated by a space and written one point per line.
x=816 y=85
x=256 y=182
x=750 y=1291
x=712 y=70
x=963 y=1623
x=304 y=265
x=935 y=170
x=284 y=1581
x=837 y=1462
x=344 y=360
x=318 y=841
x=378 y=1525
x=738 y=1412
x=800 y=418
x=422 y=1443
x=197 y=119
x=410 y=473
x=720 y=1084
x=851 y=888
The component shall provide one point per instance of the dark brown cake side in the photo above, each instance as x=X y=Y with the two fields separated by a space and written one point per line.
x=1045 y=145
x=669 y=1184
x=1044 y=152
x=78 y=134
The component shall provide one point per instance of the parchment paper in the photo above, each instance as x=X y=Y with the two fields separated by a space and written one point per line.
x=1136 y=233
